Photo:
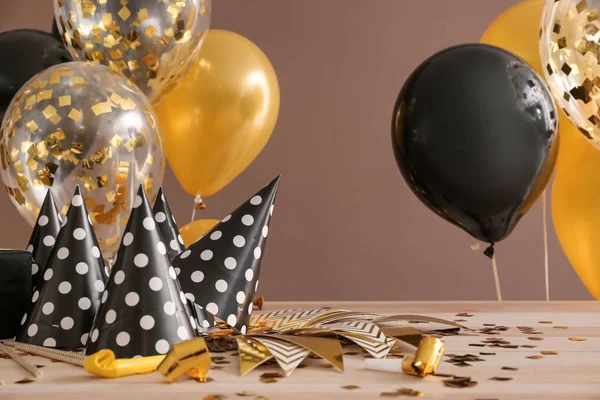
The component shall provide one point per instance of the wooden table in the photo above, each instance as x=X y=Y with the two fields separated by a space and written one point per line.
x=574 y=373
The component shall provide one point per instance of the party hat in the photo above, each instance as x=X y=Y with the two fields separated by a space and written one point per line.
x=220 y=271
x=43 y=236
x=144 y=311
x=73 y=281
x=167 y=225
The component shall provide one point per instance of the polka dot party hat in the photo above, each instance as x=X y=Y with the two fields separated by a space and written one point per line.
x=143 y=311
x=167 y=225
x=43 y=236
x=73 y=281
x=220 y=271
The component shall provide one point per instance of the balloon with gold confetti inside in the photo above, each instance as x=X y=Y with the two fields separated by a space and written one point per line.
x=81 y=124
x=570 y=56
x=149 y=42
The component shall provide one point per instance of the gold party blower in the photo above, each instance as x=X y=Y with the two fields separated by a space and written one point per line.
x=425 y=362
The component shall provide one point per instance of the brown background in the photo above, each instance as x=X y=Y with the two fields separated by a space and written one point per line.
x=346 y=226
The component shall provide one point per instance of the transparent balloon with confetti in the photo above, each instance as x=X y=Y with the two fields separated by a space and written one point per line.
x=570 y=55
x=81 y=124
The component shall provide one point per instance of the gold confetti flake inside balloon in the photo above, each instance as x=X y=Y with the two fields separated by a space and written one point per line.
x=570 y=55
x=89 y=126
x=149 y=42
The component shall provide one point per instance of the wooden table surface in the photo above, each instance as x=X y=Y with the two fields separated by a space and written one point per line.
x=574 y=373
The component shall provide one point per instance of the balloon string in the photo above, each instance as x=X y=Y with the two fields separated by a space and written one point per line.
x=496 y=278
x=545 y=247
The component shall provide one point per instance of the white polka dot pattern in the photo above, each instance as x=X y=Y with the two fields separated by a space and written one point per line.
x=68 y=298
x=220 y=270
x=140 y=317
x=166 y=225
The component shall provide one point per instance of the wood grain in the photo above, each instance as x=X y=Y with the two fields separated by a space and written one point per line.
x=573 y=373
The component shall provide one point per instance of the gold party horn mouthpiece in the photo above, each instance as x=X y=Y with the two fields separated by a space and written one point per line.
x=425 y=362
x=105 y=364
x=190 y=357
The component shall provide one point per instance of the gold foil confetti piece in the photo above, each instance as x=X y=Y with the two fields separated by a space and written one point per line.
x=102 y=181
x=55 y=78
x=100 y=156
x=30 y=101
x=64 y=101
x=581 y=6
x=45 y=177
x=37 y=182
x=75 y=114
x=577 y=339
x=96 y=55
x=150 y=159
x=49 y=112
x=41 y=150
x=77 y=148
x=150 y=31
x=55 y=119
x=52 y=167
x=128 y=104
x=116 y=141
x=116 y=54
x=124 y=13
x=101 y=108
x=500 y=378
x=110 y=196
x=544 y=322
x=535 y=357
x=169 y=32
x=88 y=164
x=107 y=20
x=32 y=164
x=510 y=368
x=549 y=353
x=143 y=14
x=133 y=65
x=14 y=154
x=204 y=10
x=23 y=182
x=560 y=327
x=19 y=166
x=44 y=95
x=78 y=80
x=88 y=8
x=32 y=126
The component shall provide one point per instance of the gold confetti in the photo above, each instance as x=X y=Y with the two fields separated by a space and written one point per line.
x=150 y=159
x=32 y=164
x=116 y=54
x=500 y=378
x=107 y=20
x=577 y=339
x=544 y=322
x=64 y=101
x=124 y=13
x=75 y=115
x=77 y=148
x=101 y=108
x=32 y=126
x=133 y=65
x=44 y=95
x=351 y=387
x=116 y=141
x=150 y=31
x=535 y=338
x=110 y=196
x=549 y=353
x=560 y=327
x=143 y=14
x=102 y=181
x=535 y=357
x=49 y=112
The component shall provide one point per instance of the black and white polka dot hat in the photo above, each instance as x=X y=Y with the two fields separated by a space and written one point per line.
x=65 y=304
x=167 y=225
x=144 y=311
x=43 y=236
x=220 y=271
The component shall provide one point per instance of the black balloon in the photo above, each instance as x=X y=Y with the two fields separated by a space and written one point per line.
x=24 y=53
x=474 y=133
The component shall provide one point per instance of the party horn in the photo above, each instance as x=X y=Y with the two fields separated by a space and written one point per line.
x=105 y=364
x=425 y=362
x=190 y=357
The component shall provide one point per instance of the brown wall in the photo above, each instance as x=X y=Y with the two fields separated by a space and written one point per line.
x=346 y=226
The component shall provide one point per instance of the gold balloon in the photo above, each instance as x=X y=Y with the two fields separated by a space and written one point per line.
x=150 y=42
x=196 y=229
x=570 y=61
x=221 y=116
x=576 y=214
x=517 y=30
x=81 y=124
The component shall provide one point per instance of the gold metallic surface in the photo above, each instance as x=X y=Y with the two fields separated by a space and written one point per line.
x=251 y=353
x=221 y=116
x=184 y=357
x=75 y=136
x=150 y=42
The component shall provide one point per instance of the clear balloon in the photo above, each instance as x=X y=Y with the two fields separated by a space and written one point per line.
x=81 y=124
x=149 y=42
x=570 y=60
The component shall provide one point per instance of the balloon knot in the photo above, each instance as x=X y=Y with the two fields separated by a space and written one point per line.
x=200 y=205
x=489 y=251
